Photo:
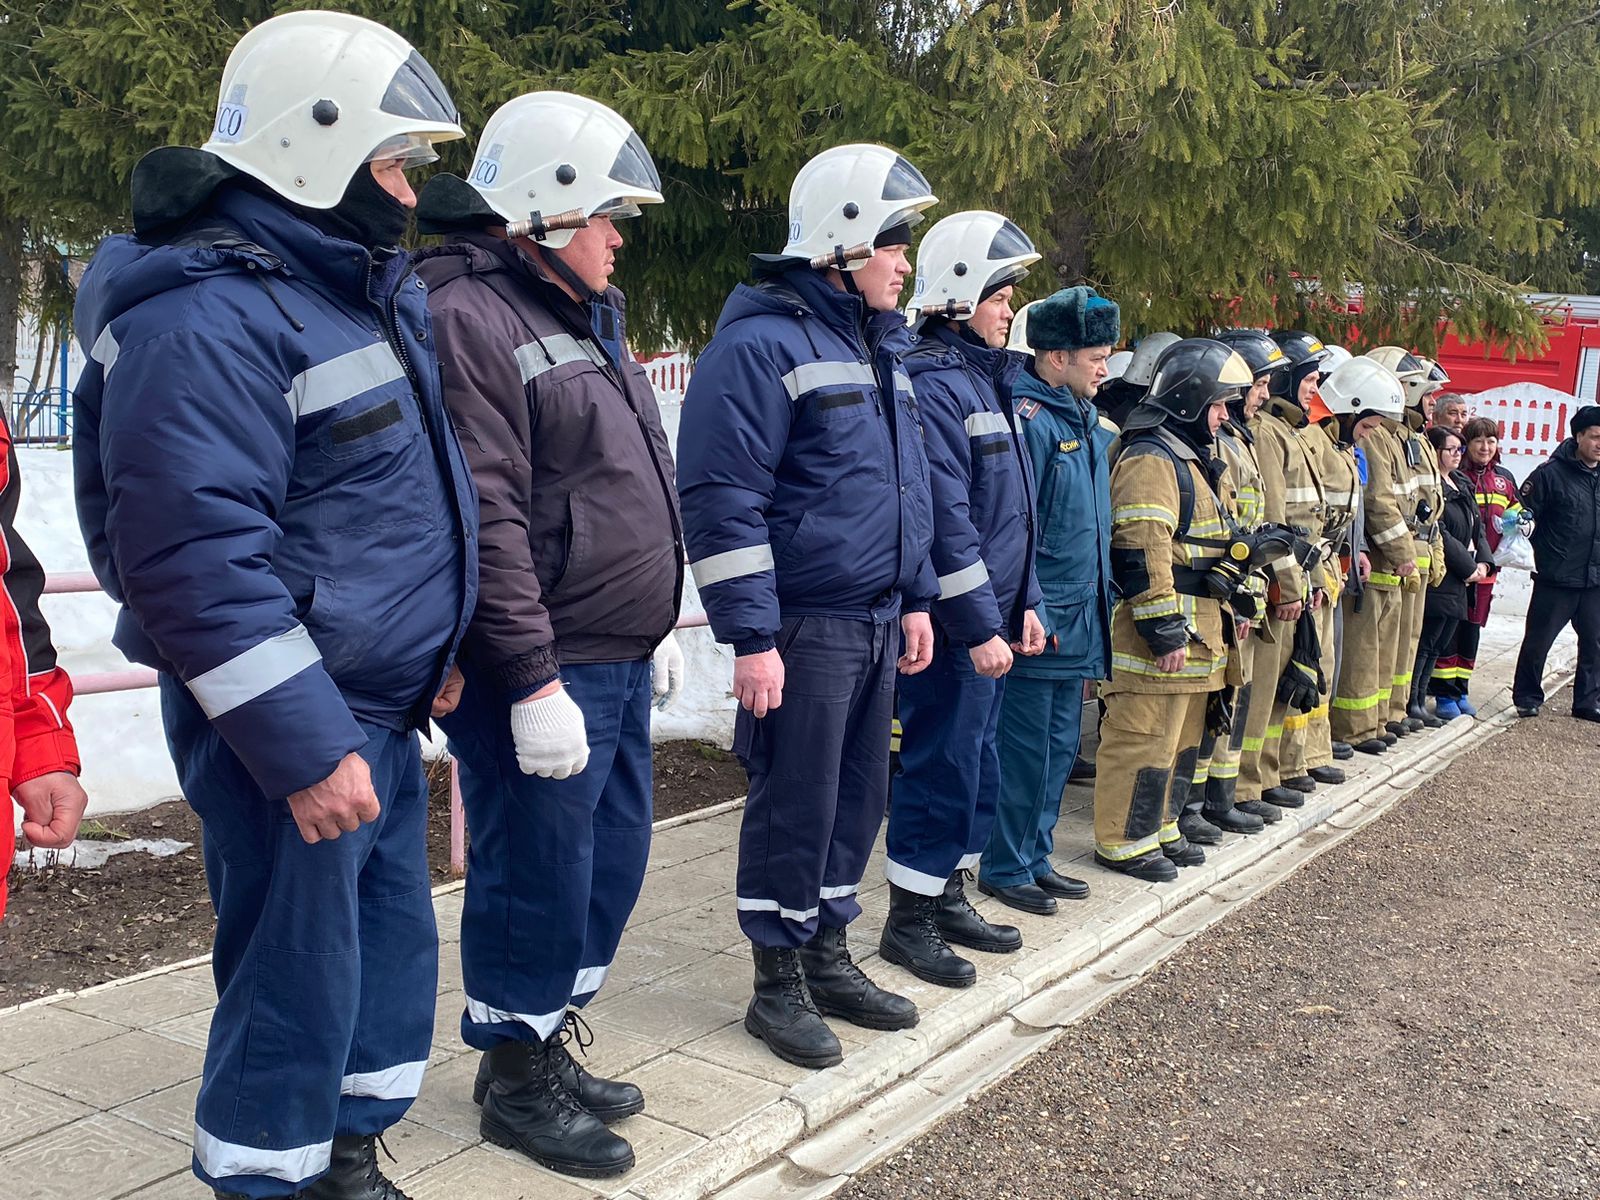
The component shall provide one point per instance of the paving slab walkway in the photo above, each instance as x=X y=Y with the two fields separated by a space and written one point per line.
x=97 y=1088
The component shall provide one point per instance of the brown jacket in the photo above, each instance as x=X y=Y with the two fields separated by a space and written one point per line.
x=581 y=546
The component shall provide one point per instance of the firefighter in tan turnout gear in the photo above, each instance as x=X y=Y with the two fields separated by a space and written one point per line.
x=1422 y=504
x=1290 y=496
x=1211 y=809
x=1369 y=402
x=1175 y=566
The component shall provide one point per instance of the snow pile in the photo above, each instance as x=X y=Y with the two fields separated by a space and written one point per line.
x=89 y=856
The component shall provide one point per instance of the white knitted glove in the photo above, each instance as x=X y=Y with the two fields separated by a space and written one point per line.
x=667 y=674
x=549 y=735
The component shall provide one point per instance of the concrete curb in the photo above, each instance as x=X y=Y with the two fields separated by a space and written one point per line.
x=965 y=1048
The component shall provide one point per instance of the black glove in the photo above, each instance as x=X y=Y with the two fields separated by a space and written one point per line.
x=1302 y=682
x=1219 y=713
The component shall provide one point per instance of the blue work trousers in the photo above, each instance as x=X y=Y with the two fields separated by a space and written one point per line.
x=326 y=961
x=948 y=785
x=1040 y=723
x=819 y=775
x=555 y=865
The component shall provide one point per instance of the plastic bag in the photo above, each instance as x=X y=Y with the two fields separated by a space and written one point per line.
x=1515 y=551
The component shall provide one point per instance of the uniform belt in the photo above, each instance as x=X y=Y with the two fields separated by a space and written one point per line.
x=1186 y=581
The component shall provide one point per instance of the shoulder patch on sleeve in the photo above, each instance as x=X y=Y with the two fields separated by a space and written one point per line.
x=1028 y=409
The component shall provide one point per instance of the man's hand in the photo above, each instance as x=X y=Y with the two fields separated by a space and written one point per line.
x=1174 y=661
x=1287 y=612
x=1478 y=572
x=341 y=803
x=549 y=733
x=1241 y=630
x=1032 y=635
x=52 y=806
x=918 y=630
x=1363 y=567
x=758 y=682
x=449 y=695
x=992 y=659
x=1406 y=568
x=1317 y=598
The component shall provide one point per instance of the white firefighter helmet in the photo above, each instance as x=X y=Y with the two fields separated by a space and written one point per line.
x=845 y=197
x=1018 y=338
x=1363 y=385
x=1141 y=368
x=1410 y=370
x=554 y=152
x=1336 y=356
x=966 y=255
x=308 y=97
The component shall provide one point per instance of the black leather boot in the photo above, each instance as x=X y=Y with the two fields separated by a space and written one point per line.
x=1343 y=751
x=1152 y=867
x=529 y=1109
x=609 y=1099
x=1082 y=770
x=1418 y=708
x=1284 y=797
x=841 y=989
x=911 y=939
x=1303 y=784
x=1219 y=808
x=784 y=1016
x=1182 y=853
x=353 y=1173
x=1270 y=813
x=1396 y=730
x=1376 y=745
x=964 y=925
x=1195 y=826
x=1327 y=775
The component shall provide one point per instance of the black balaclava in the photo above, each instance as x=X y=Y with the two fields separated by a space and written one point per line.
x=366 y=214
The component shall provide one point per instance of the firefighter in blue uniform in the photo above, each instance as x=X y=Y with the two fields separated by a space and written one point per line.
x=806 y=510
x=268 y=485
x=1070 y=335
x=943 y=800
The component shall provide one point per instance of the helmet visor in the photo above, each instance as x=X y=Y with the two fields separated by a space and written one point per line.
x=905 y=182
x=617 y=210
x=634 y=166
x=417 y=93
x=411 y=149
x=1009 y=242
x=905 y=216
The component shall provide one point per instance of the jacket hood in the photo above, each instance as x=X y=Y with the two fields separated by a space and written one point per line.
x=796 y=292
x=235 y=232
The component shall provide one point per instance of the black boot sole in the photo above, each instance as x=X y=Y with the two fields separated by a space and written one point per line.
x=890 y=954
x=814 y=1062
x=862 y=1019
x=496 y=1134
x=1204 y=839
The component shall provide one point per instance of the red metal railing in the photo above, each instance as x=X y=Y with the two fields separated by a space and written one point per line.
x=133 y=678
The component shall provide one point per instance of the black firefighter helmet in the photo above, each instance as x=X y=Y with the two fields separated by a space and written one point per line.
x=1305 y=352
x=1190 y=377
x=1260 y=353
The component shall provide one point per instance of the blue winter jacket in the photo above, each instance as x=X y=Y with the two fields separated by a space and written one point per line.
x=982 y=487
x=267 y=482
x=1068 y=443
x=801 y=470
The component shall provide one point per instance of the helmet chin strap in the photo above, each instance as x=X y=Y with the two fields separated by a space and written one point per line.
x=553 y=260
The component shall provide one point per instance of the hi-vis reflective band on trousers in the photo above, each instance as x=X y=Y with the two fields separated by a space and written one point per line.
x=755 y=904
x=342 y=378
x=808 y=377
x=542 y=1024
x=731 y=564
x=959 y=583
x=395 y=1083
x=557 y=350
x=222 y=1160
x=980 y=423
x=255 y=672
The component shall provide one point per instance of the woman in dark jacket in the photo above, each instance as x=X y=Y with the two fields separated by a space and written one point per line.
x=1467 y=560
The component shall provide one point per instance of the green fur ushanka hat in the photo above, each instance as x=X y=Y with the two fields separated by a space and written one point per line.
x=1075 y=318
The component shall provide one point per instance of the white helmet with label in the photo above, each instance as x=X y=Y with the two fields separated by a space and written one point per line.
x=1018 y=338
x=554 y=153
x=1409 y=369
x=1363 y=385
x=1335 y=356
x=965 y=256
x=308 y=97
x=845 y=197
